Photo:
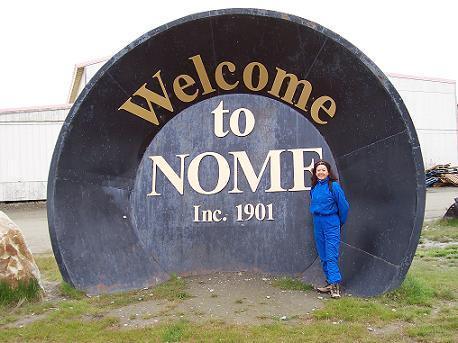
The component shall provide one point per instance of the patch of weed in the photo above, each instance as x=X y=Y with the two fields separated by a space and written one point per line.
x=115 y=300
x=437 y=275
x=449 y=252
x=452 y=222
x=73 y=309
x=354 y=310
x=60 y=329
x=68 y=291
x=25 y=291
x=48 y=267
x=321 y=331
x=289 y=283
x=445 y=294
x=413 y=291
x=174 y=332
x=443 y=328
x=173 y=289
x=12 y=314
x=107 y=330
x=9 y=318
x=443 y=231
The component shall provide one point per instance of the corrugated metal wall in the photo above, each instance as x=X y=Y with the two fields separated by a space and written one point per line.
x=27 y=140
x=433 y=109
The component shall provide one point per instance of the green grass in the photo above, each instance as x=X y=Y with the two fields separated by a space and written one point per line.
x=174 y=332
x=25 y=291
x=12 y=314
x=107 y=330
x=77 y=320
x=48 y=267
x=356 y=310
x=429 y=284
x=438 y=274
x=423 y=309
x=441 y=231
x=413 y=291
x=59 y=329
x=288 y=283
x=173 y=290
x=448 y=252
x=443 y=328
x=68 y=291
x=453 y=222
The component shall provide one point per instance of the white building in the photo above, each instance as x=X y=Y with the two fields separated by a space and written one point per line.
x=27 y=140
x=432 y=105
x=28 y=135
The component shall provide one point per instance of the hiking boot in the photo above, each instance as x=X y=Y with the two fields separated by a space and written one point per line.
x=325 y=289
x=335 y=291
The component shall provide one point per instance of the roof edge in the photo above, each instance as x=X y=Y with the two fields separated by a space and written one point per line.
x=36 y=108
x=424 y=78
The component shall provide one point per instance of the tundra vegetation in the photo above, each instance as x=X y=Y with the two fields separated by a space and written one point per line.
x=423 y=309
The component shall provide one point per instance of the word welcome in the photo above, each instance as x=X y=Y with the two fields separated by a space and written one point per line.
x=255 y=77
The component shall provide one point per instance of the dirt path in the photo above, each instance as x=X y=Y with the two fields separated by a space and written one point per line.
x=235 y=298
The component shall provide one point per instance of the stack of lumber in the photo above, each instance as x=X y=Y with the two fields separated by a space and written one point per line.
x=442 y=175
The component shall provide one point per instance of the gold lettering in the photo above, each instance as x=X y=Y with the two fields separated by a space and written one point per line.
x=179 y=88
x=319 y=104
x=202 y=73
x=248 y=76
x=299 y=168
x=241 y=157
x=224 y=173
x=151 y=98
x=219 y=77
x=255 y=77
x=169 y=173
x=292 y=88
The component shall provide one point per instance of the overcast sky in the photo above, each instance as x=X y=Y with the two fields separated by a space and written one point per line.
x=41 y=41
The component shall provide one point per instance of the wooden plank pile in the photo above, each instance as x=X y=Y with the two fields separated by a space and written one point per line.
x=442 y=175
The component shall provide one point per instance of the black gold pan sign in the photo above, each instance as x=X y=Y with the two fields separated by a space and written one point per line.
x=191 y=151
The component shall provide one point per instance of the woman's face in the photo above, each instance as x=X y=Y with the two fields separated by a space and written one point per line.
x=321 y=172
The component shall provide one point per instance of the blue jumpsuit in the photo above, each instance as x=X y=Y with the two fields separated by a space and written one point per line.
x=329 y=211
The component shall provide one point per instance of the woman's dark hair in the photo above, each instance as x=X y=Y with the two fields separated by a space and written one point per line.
x=332 y=177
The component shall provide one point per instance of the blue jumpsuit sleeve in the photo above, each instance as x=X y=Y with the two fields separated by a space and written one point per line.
x=341 y=201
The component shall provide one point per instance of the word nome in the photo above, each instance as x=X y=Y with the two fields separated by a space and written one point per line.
x=241 y=164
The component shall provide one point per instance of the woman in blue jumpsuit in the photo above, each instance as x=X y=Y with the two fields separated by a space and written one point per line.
x=329 y=209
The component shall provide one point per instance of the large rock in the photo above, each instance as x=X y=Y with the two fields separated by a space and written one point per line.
x=16 y=260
